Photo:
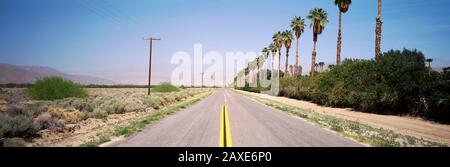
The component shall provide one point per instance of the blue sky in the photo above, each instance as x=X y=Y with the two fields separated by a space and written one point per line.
x=104 y=37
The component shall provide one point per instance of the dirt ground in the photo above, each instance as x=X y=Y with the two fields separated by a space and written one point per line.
x=404 y=125
x=85 y=131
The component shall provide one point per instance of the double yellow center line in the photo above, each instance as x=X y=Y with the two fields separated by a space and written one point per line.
x=225 y=135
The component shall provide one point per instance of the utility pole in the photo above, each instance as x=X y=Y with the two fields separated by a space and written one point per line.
x=150 y=62
x=213 y=77
x=202 y=78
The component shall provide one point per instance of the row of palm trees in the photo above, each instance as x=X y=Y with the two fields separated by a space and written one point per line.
x=319 y=19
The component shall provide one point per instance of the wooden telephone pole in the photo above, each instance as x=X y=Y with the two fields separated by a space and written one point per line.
x=202 y=78
x=150 y=62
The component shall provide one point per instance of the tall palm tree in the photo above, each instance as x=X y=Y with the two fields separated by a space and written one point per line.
x=278 y=39
x=429 y=65
x=378 y=32
x=287 y=41
x=321 y=64
x=246 y=71
x=319 y=18
x=259 y=58
x=343 y=8
x=273 y=48
x=298 y=26
x=265 y=52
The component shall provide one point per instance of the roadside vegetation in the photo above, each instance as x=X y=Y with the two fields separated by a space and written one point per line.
x=396 y=82
x=165 y=87
x=53 y=106
x=51 y=88
x=363 y=133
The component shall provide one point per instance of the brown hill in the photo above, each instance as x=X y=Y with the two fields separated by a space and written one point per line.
x=29 y=74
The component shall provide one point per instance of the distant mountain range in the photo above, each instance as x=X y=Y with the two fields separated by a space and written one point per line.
x=29 y=74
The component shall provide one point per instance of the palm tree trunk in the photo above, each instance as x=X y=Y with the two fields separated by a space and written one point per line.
x=296 y=60
x=296 y=54
x=338 y=56
x=313 y=62
x=429 y=68
x=287 y=62
x=279 y=64
x=257 y=76
x=378 y=32
x=273 y=59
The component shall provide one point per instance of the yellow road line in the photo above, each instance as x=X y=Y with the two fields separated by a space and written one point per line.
x=227 y=126
x=225 y=134
x=221 y=127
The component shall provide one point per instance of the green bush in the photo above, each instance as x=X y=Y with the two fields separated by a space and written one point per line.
x=165 y=87
x=51 y=88
x=17 y=126
x=397 y=83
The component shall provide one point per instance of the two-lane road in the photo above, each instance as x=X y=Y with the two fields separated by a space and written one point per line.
x=226 y=118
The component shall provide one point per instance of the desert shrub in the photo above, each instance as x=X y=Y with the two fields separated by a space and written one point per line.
x=3 y=105
x=84 y=106
x=169 y=99
x=155 y=102
x=98 y=113
x=14 y=111
x=116 y=108
x=51 y=88
x=46 y=121
x=17 y=126
x=165 y=87
x=178 y=97
x=35 y=108
x=70 y=116
x=13 y=142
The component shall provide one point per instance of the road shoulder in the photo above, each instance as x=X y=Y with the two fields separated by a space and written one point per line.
x=358 y=129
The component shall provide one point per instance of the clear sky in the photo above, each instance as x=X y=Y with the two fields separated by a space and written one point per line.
x=104 y=37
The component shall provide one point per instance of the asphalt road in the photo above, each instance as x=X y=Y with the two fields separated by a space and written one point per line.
x=249 y=124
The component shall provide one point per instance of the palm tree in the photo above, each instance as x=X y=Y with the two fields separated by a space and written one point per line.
x=273 y=48
x=278 y=39
x=378 y=32
x=287 y=41
x=315 y=67
x=321 y=64
x=246 y=71
x=429 y=65
x=259 y=58
x=343 y=8
x=319 y=18
x=265 y=52
x=298 y=26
